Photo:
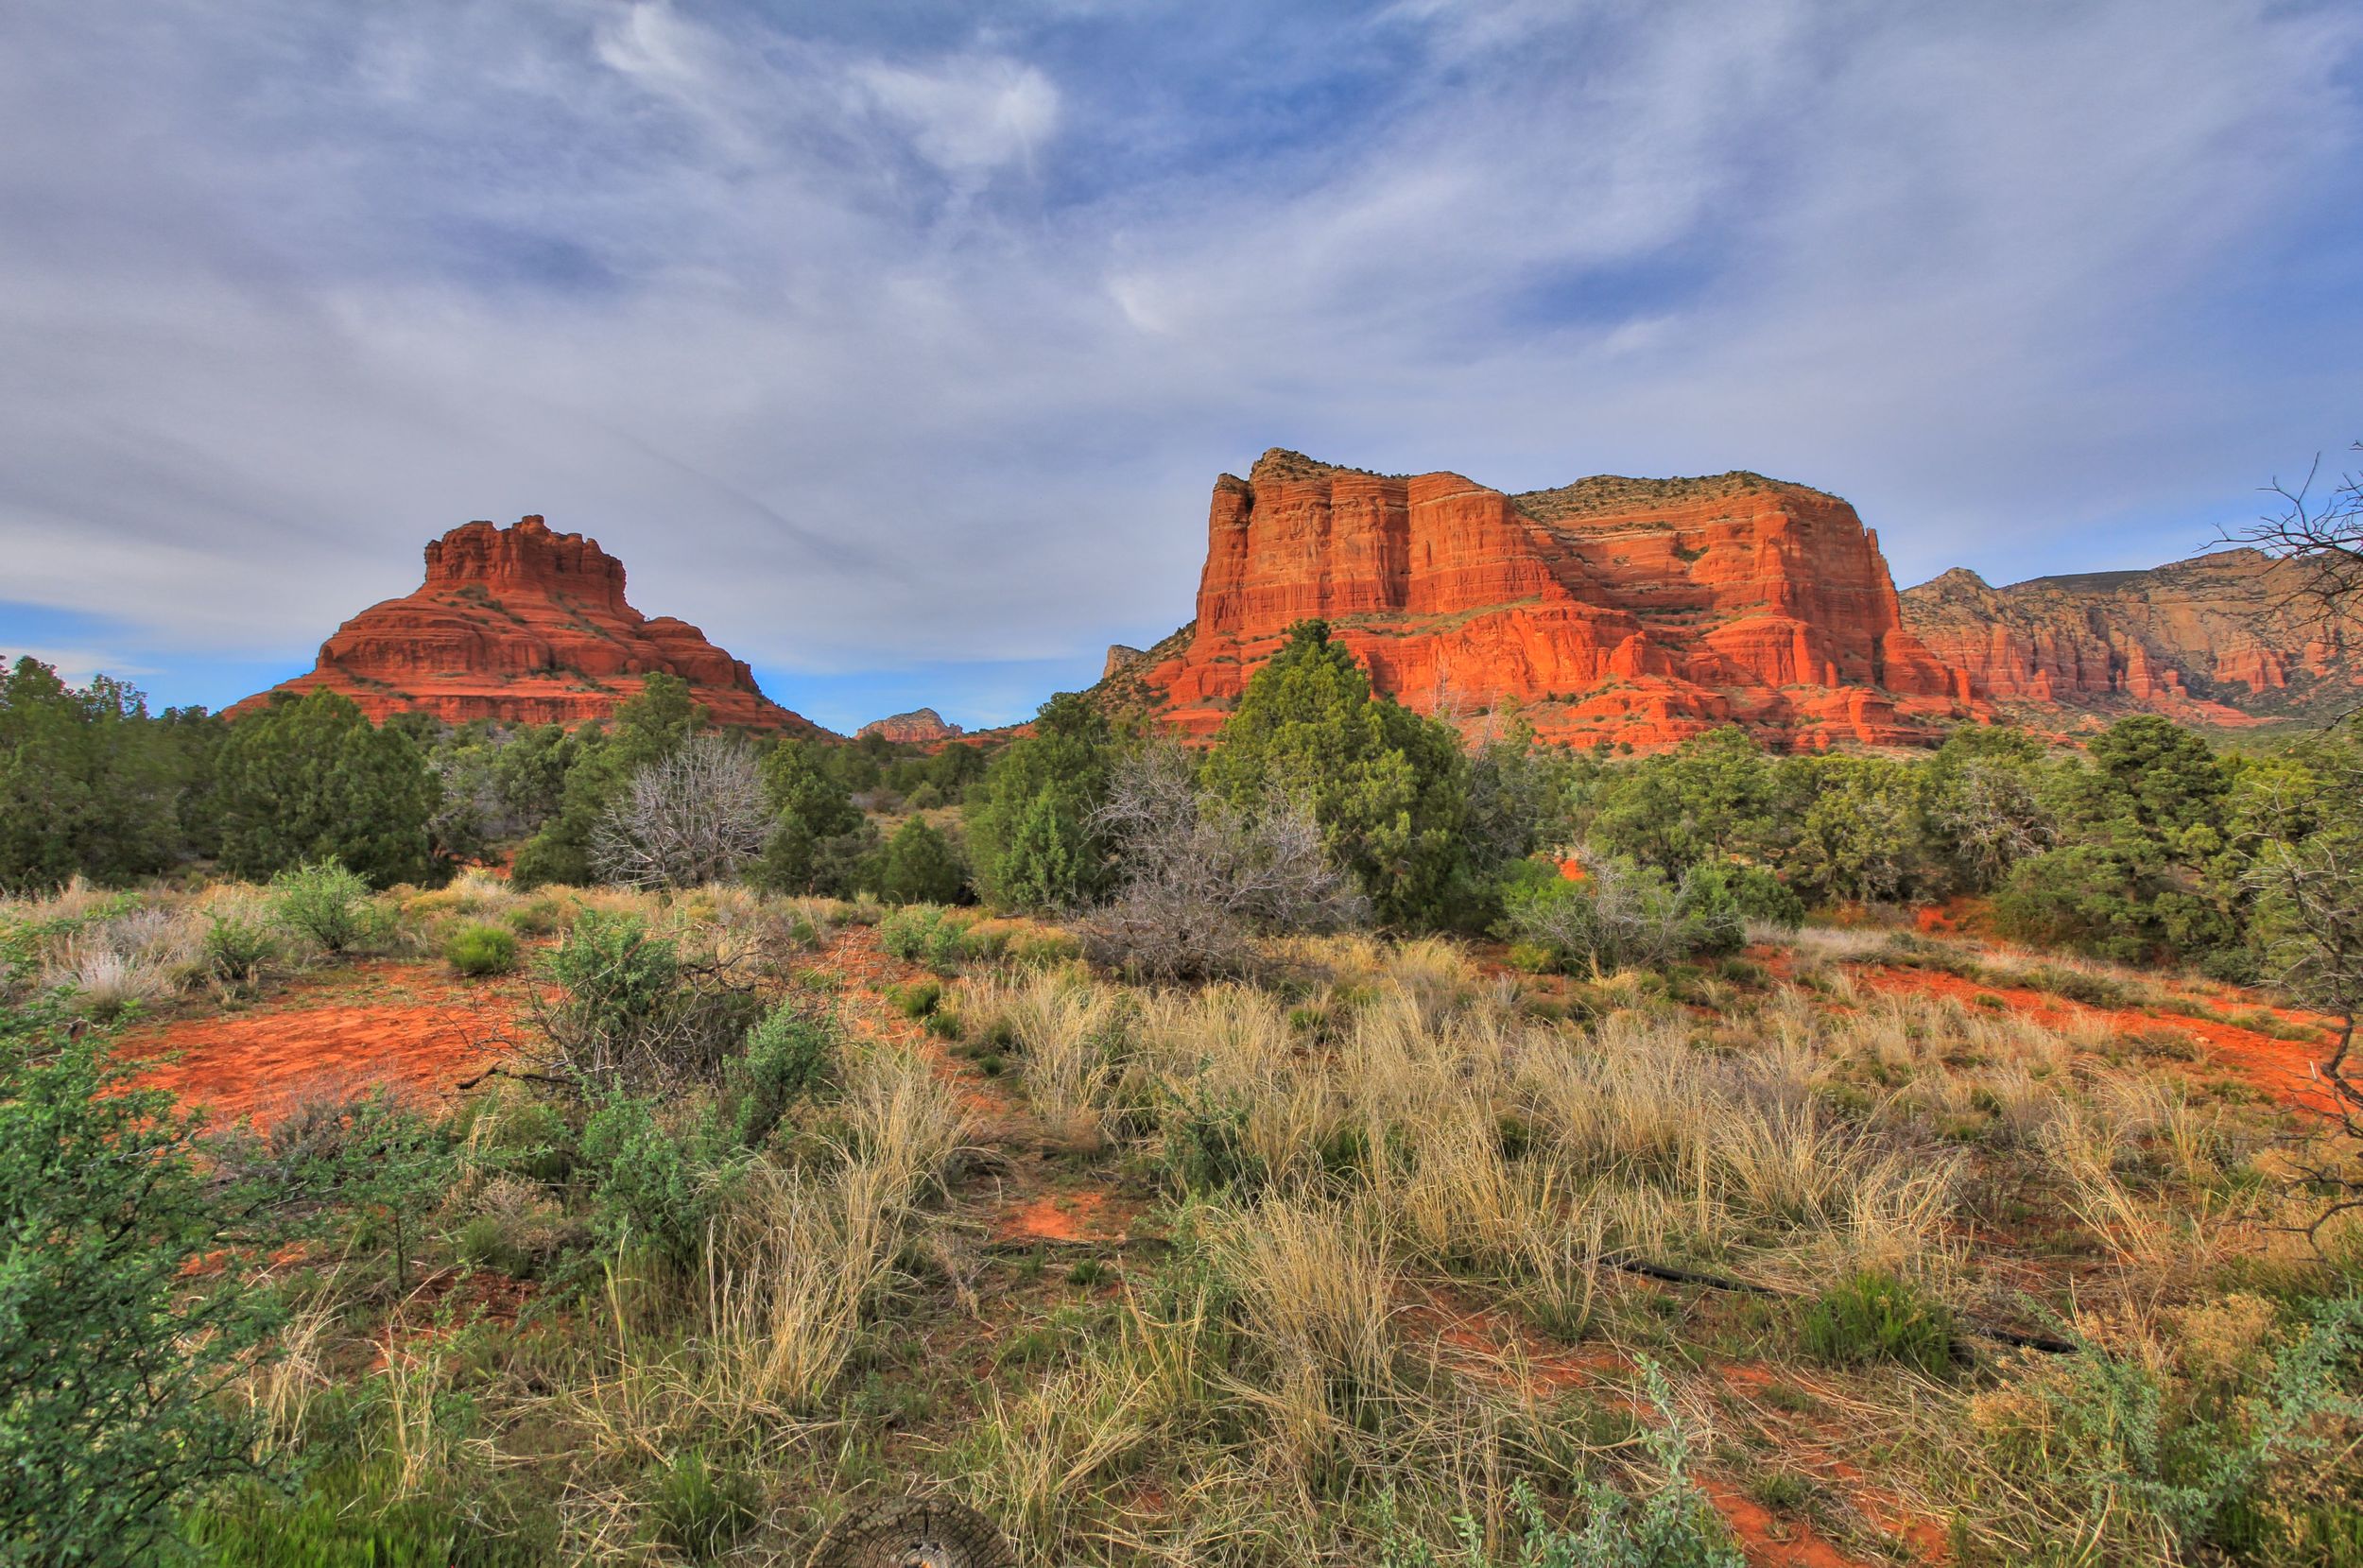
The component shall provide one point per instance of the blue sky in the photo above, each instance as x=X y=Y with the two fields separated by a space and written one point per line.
x=897 y=345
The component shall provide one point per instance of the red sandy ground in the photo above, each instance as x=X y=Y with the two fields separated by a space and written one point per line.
x=407 y=1027
x=2282 y=1069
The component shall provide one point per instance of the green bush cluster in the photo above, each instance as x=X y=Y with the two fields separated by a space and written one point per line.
x=328 y=904
x=1872 y=1316
x=788 y=1057
x=481 y=947
x=926 y=934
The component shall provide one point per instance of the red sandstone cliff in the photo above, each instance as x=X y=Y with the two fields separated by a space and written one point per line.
x=2228 y=639
x=920 y=727
x=525 y=626
x=1612 y=610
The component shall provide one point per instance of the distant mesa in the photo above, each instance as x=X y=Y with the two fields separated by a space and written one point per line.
x=920 y=727
x=2230 y=639
x=525 y=626
x=1638 y=612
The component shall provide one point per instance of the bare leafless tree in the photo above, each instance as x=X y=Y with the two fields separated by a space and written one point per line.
x=1200 y=880
x=693 y=817
x=2318 y=526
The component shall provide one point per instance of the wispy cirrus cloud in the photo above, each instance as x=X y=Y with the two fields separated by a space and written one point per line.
x=902 y=336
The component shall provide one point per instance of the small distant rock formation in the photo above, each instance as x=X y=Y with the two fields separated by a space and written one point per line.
x=2228 y=639
x=920 y=727
x=1120 y=658
x=525 y=626
x=1613 y=611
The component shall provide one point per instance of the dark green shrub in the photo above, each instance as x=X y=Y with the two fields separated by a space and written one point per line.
x=478 y=948
x=311 y=780
x=119 y=1351
x=1205 y=1148
x=789 y=1056
x=629 y=1013
x=921 y=866
x=917 y=1000
x=1756 y=893
x=651 y=1185
x=1876 y=1317
x=1387 y=786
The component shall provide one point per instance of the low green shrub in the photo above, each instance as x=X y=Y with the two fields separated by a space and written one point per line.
x=926 y=934
x=479 y=948
x=918 y=999
x=789 y=1054
x=326 y=903
x=1874 y=1316
x=701 y=1509
x=2245 y=1459
x=652 y=1184
x=237 y=947
x=1205 y=1148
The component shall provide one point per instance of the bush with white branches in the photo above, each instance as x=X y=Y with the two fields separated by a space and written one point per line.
x=695 y=817
x=1202 y=879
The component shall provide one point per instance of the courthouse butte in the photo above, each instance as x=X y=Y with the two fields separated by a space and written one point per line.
x=1618 y=611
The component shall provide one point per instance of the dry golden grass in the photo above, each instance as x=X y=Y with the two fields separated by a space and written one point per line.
x=1374 y=1212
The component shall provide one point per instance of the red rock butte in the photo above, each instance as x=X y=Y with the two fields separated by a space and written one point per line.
x=528 y=627
x=1611 y=610
x=920 y=727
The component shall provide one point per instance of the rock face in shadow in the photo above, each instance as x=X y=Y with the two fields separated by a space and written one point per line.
x=920 y=727
x=1617 y=611
x=525 y=626
x=2227 y=639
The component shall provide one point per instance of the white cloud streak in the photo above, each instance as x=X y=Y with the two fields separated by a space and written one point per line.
x=864 y=349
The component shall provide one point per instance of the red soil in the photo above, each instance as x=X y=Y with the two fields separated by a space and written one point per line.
x=1067 y=1217
x=405 y=1028
x=1765 y=1540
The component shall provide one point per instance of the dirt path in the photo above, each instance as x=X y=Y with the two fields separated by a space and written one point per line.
x=2283 y=1070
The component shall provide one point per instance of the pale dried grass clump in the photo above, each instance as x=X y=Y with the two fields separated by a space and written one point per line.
x=74 y=899
x=1070 y=1033
x=1317 y=1287
x=1233 y=1047
x=144 y=955
x=789 y=1280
